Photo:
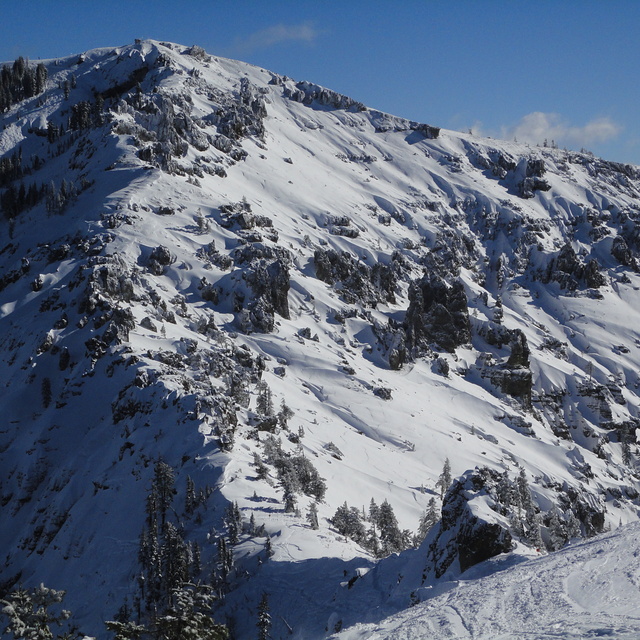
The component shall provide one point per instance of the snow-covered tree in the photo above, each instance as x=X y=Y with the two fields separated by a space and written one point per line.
x=32 y=612
x=189 y=616
x=264 y=618
x=348 y=523
x=284 y=415
x=312 y=516
x=392 y=539
x=190 y=500
x=127 y=630
x=264 y=403
x=428 y=520
x=444 y=481
x=233 y=522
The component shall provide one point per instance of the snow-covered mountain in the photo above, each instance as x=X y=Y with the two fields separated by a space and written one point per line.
x=287 y=302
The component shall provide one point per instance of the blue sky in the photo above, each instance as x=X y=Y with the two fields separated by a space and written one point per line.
x=562 y=70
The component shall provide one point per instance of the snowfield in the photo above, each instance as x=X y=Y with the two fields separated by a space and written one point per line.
x=296 y=302
x=586 y=590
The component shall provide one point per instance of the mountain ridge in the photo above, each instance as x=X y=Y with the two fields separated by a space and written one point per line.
x=212 y=243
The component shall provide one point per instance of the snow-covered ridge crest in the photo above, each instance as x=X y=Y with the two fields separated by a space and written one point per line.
x=296 y=302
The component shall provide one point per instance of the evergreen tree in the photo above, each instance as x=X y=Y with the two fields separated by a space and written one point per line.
x=190 y=501
x=444 y=481
x=284 y=415
x=264 y=618
x=572 y=525
x=196 y=560
x=374 y=510
x=261 y=468
x=126 y=630
x=391 y=538
x=312 y=516
x=427 y=521
x=372 y=542
x=264 y=404
x=506 y=492
x=557 y=531
x=225 y=559
x=33 y=612
x=233 y=522
x=189 y=616
x=163 y=489
x=348 y=523
x=289 y=489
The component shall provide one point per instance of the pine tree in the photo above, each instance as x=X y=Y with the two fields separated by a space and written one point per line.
x=444 y=481
x=233 y=522
x=427 y=521
x=284 y=415
x=264 y=618
x=264 y=404
x=289 y=496
x=557 y=531
x=224 y=565
x=196 y=560
x=126 y=630
x=262 y=470
x=31 y=613
x=372 y=542
x=190 y=501
x=163 y=488
x=391 y=537
x=348 y=523
x=506 y=492
x=188 y=616
x=374 y=510
x=312 y=516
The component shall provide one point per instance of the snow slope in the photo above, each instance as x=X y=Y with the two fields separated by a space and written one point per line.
x=114 y=353
x=586 y=590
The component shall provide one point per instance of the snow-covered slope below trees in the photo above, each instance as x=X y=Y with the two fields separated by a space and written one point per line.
x=586 y=590
x=284 y=312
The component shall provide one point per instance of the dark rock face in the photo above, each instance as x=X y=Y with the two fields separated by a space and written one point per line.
x=570 y=272
x=479 y=541
x=266 y=273
x=514 y=382
x=519 y=356
x=533 y=181
x=437 y=314
x=513 y=377
x=621 y=252
x=357 y=281
x=463 y=535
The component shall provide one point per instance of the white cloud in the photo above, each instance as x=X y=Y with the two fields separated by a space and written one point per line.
x=538 y=126
x=277 y=34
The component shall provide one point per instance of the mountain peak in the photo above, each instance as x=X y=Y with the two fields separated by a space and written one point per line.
x=305 y=309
